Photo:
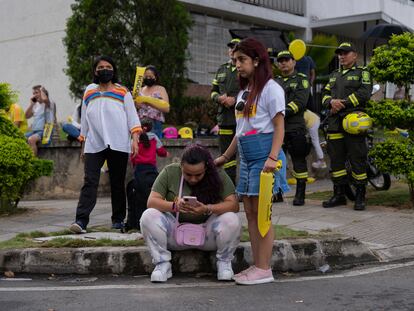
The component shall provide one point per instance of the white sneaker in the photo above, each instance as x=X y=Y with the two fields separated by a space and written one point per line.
x=224 y=271
x=162 y=272
x=76 y=228
x=319 y=164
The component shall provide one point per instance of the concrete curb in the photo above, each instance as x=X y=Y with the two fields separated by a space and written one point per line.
x=288 y=255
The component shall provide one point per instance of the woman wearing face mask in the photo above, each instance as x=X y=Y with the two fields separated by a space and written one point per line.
x=108 y=121
x=153 y=89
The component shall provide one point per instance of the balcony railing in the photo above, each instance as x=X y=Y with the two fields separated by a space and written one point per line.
x=296 y=7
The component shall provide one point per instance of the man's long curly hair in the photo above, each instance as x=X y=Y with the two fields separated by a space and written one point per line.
x=209 y=189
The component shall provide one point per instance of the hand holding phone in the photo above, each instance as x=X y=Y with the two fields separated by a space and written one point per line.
x=190 y=200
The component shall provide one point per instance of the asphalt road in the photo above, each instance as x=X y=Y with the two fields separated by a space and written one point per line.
x=385 y=287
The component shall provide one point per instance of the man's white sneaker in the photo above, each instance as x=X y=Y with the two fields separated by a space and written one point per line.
x=319 y=164
x=224 y=271
x=162 y=272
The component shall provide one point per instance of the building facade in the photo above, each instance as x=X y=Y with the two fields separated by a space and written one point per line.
x=32 y=51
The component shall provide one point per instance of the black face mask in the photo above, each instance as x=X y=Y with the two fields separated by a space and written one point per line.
x=149 y=81
x=105 y=75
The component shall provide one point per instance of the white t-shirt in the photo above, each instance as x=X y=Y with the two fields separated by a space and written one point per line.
x=108 y=118
x=38 y=116
x=271 y=102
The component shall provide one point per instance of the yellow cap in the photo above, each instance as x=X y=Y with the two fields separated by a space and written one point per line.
x=185 y=132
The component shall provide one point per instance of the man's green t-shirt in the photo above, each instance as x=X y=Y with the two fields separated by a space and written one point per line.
x=168 y=182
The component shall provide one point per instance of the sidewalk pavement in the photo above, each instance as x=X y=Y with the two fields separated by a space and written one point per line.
x=377 y=234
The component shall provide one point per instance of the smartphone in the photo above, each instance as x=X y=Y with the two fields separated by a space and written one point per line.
x=33 y=99
x=190 y=200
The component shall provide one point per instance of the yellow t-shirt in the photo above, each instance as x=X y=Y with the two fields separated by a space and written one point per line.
x=16 y=114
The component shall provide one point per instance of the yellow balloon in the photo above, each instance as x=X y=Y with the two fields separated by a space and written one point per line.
x=298 y=48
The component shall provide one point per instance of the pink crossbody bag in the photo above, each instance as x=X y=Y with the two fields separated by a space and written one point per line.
x=187 y=234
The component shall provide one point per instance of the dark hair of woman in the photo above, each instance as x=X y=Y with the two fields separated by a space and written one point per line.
x=262 y=73
x=154 y=71
x=208 y=190
x=109 y=60
x=146 y=125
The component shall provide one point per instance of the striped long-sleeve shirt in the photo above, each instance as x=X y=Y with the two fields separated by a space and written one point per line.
x=108 y=118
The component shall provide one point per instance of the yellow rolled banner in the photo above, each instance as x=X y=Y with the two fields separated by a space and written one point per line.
x=47 y=133
x=264 y=214
x=139 y=77
x=155 y=102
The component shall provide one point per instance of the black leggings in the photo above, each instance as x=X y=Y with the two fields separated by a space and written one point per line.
x=117 y=165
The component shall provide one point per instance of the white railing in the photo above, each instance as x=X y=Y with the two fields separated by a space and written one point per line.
x=296 y=7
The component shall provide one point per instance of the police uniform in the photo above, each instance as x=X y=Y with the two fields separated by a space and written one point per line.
x=354 y=87
x=226 y=82
x=297 y=91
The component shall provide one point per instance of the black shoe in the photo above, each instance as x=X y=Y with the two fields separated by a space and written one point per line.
x=360 y=198
x=300 y=192
x=119 y=226
x=277 y=197
x=337 y=199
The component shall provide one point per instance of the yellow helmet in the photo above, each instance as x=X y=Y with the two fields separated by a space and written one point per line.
x=357 y=122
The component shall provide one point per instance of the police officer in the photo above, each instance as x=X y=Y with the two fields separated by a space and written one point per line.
x=349 y=88
x=225 y=88
x=297 y=90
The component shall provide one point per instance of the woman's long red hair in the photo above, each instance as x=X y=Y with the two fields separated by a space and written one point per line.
x=262 y=73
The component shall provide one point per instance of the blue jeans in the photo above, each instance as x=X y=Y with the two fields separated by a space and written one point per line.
x=31 y=133
x=157 y=128
x=71 y=130
x=254 y=151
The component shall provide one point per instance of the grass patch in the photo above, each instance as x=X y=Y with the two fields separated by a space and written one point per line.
x=281 y=232
x=397 y=196
x=25 y=240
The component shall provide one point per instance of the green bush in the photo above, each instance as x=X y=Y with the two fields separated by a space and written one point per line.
x=7 y=96
x=391 y=114
x=195 y=110
x=394 y=62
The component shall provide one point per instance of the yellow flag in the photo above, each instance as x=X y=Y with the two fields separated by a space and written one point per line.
x=264 y=215
x=139 y=77
x=47 y=133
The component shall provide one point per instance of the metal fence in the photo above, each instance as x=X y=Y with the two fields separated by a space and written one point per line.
x=296 y=7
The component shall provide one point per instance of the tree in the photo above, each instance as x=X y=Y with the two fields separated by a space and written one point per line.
x=132 y=32
x=394 y=63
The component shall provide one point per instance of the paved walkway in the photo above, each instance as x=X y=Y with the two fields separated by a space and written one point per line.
x=388 y=231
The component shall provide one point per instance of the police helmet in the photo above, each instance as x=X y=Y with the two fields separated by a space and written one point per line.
x=357 y=122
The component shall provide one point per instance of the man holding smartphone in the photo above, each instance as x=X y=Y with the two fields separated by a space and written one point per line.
x=43 y=110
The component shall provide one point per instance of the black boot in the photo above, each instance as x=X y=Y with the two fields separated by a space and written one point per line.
x=300 y=192
x=360 y=198
x=277 y=197
x=337 y=199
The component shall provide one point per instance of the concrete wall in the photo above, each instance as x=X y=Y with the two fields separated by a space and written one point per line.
x=31 y=49
x=67 y=178
x=338 y=8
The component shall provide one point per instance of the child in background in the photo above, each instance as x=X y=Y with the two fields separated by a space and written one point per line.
x=145 y=162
